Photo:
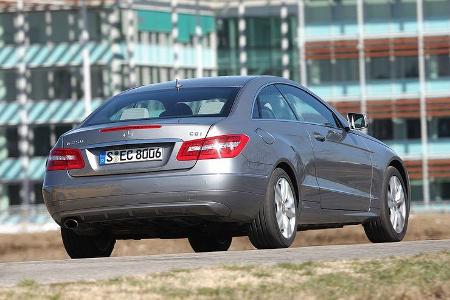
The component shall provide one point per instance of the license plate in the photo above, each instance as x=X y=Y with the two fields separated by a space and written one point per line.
x=130 y=155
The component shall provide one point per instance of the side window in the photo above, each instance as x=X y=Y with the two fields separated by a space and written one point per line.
x=270 y=104
x=307 y=107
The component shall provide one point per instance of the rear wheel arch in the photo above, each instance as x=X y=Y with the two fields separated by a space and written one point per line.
x=285 y=166
x=267 y=229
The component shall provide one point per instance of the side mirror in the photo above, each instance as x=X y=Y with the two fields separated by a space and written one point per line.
x=357 y=121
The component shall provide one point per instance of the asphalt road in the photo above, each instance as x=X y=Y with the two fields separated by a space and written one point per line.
x=104 y=268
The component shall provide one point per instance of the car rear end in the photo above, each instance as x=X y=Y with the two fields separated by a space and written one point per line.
x=160 y=157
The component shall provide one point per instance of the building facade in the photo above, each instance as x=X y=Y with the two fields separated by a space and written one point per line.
x=42 y=70
x=388 y=58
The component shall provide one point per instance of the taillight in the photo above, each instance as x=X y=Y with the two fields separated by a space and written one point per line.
x=65 y=159
x=222 y=146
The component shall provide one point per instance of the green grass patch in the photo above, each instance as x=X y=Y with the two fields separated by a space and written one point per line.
x=27 y=283
x=424 y=276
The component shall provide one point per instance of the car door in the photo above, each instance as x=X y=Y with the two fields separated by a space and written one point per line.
x=342 y=159
x=280 y=138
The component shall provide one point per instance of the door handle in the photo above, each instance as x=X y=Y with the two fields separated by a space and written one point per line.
x=319 y=137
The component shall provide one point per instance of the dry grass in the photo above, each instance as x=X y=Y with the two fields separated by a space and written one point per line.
x=43 y=246
x=425 y=276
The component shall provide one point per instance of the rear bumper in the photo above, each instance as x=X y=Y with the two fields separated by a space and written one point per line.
x=228 y=197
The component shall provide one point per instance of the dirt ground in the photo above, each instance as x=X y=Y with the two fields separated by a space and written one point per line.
x=48 y=245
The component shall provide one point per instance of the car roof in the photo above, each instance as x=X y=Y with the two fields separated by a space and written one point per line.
x=219 y=81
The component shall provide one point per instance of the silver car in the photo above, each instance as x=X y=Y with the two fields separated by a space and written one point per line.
x=213 y=158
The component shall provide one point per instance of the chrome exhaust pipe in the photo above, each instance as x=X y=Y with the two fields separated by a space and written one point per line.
x=70 y=224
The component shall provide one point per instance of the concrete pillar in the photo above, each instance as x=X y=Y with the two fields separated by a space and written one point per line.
x=105 y=37
x=198 y=42
x=242 y=39
x=174 y=38
x=423 y=104
x=284 y=39
x=115 y=40
x=22 y=98
x=361 y=56
x=301 y=41
x=131 y=32
x=84 y=39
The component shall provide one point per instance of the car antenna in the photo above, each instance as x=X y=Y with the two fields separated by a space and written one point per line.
x=178 y=85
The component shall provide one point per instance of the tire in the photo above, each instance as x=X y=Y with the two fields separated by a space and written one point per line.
x=79 y=246
x=209 y=243
x=266 y=232
x=381 y=229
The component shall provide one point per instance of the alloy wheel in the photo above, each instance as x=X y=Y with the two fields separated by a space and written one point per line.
x=397 y=204
x=285 y=207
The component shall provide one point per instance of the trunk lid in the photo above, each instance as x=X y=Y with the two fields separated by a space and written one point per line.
x=167 y=135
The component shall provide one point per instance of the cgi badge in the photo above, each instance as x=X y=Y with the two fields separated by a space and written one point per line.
x=75 y=142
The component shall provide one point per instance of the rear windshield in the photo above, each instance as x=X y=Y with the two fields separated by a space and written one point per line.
x=163 y=104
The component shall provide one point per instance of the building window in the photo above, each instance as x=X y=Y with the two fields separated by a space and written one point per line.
x=8 y=89
x=228 y=33
x=12 y=141
x=404 y=11
x=7 y=29
x=382 y=12
x=378 y=68
x=263 y=32
x=319 y=71
x=436 y=9
x=36 y=33
x=94 y=28
x=444 y=190
x=382 y=129
x=97 y=82
x=406 y=67
x=39 y=84
x=377 y=11
x=439 y=189
x=444 y=127
x=438 y=66
x=413 y=129
x=13 y=191
x=324 y=71
x=145 y=75
x=60 y=26
x=343 y=13
x=66 y=84
x=346 y=70
x=416 y=191
x=164 y=74
x=61 y=129
x=41 y=140
x=381 y=68
x=336 y=12
x=317 y=12
x=62 y=84
x=155 y=75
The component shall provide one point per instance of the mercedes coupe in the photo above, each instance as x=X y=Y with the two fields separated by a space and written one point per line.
x=209 y=159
